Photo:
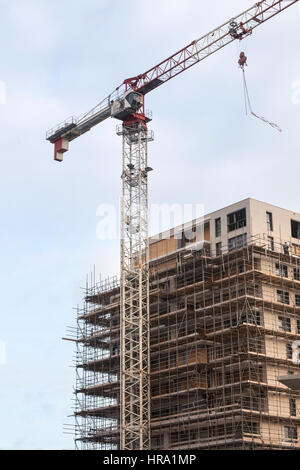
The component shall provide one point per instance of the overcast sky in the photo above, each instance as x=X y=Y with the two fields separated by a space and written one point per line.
x=59 y=58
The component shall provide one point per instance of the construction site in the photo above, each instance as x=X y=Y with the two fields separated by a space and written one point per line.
x=224 y=313
x=185 y=347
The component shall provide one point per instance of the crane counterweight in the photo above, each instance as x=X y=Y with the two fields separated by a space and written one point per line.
x=60 y=147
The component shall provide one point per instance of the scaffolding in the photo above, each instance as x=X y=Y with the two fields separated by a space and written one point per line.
x=221 y=333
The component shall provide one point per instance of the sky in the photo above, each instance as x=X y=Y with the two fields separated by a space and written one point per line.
x=60 y=58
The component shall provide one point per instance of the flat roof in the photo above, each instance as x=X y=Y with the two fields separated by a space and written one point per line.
x=206 y=218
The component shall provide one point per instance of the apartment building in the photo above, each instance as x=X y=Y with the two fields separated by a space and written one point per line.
x=224 y=325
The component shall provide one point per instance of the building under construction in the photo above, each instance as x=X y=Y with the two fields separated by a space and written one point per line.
x=224 y=325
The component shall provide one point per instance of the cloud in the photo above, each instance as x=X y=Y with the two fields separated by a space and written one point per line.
x=33 y=22
x=177 y=19
x=28 y=111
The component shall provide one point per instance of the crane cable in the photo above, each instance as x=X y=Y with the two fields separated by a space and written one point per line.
x=248 y=105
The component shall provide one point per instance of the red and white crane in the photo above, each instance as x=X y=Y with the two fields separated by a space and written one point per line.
x=127 y=104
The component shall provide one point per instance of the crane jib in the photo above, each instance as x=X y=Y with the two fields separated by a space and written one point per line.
x=235 y=29
x=199 y=49
x=57 y=135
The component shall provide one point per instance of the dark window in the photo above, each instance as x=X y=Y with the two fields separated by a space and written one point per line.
x=281 y=270
x=252 y=317
x=295 y=229
x=218 y=249
x=291 y=433
x=289 y=351
x=283 y=297
x=271 y=243
x=293 y=411
x=270 y=221
x=237 y=242
x=257 y=317
x=297 y=300
x=286 y=249
x=158 y=442
x=252 y=428
x=236 y=220
x=218 y=227
x=298 y=327
x=183 y=241
x=297 y=274
x=134 y=100
x=284 y=323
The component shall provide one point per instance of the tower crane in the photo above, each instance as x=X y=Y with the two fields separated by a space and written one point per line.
x=127 y=104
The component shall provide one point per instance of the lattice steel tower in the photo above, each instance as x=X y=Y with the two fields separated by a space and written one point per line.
x=135 y=346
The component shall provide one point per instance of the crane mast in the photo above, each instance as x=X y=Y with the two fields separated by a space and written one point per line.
x=127 y=104
x=135 y=341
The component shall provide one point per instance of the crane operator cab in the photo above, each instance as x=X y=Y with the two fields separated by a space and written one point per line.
x=129 y=104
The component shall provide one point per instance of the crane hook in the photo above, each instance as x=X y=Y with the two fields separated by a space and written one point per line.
x=242 y=60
